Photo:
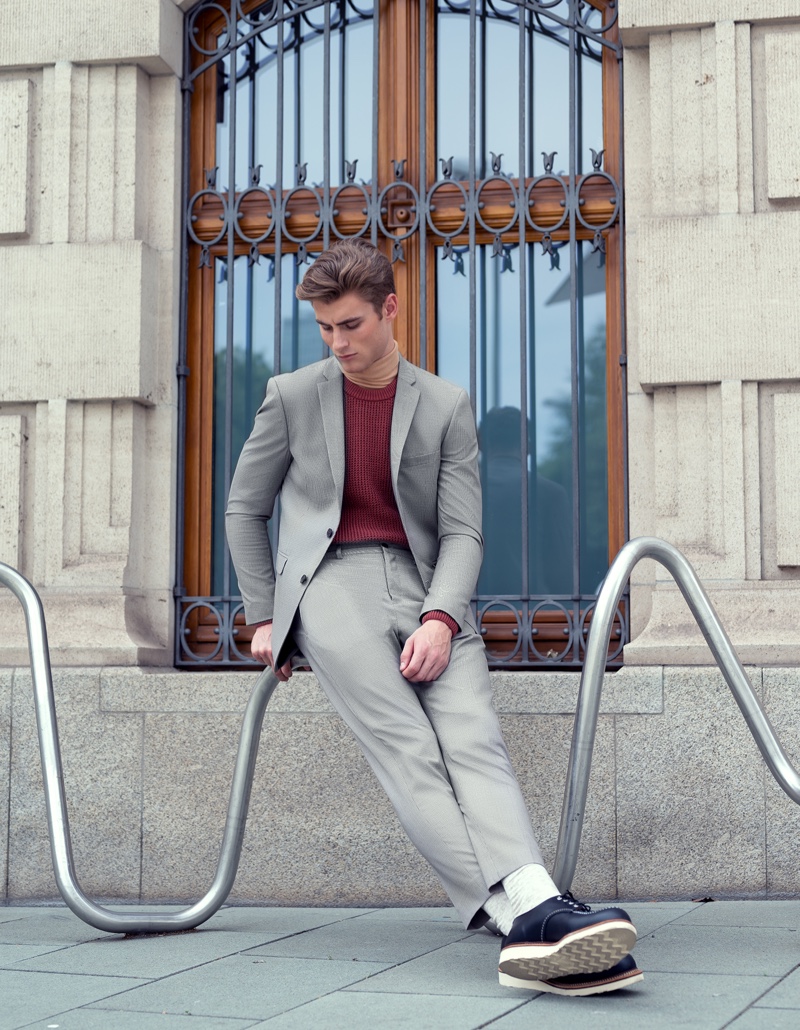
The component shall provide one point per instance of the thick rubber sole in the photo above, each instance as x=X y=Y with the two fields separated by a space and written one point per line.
x=590 y=950
x=576 y=988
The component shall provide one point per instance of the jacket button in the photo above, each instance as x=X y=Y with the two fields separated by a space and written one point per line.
x=304 y=579
x=330 y=533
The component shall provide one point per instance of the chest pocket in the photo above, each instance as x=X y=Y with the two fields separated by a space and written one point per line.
x=426 y=458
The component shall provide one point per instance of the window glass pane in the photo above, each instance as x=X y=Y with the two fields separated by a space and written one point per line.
x=252 y=350
x=536 y=417
x=358 y=99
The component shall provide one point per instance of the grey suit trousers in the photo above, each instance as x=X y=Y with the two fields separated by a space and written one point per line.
x=436 y=748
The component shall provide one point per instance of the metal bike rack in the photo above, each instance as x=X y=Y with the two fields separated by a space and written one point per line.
x=58 y=823
x=580 y=758
x=585 y=728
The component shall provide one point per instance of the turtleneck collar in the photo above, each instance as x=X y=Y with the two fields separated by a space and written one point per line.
x=379 y=374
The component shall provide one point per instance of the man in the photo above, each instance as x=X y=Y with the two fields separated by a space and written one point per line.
x=379 y=550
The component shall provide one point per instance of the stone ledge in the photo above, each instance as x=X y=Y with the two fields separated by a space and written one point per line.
x=629 y=691
x=148 y=33
x=638 y=19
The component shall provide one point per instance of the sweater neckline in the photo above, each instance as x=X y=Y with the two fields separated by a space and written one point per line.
x=370 y=393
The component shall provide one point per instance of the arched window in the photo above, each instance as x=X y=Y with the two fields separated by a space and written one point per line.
x=478 y=143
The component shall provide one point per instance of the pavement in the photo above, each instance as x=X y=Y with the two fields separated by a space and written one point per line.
x=710 y=965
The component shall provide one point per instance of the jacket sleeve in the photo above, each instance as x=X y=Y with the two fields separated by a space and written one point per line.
x=459 y=517
x=258 y=478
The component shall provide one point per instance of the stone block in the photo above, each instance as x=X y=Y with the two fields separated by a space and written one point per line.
x=638 y=19
x=320 y=829
x=690 y=795
x=12 y=432
x=144 y=690
x=148 y=33
x=80 y=322
x=695 y=321
x=781 y=691
x=787 y=478
x=102 y=773
x=628 y=690
x=783 y=113
x=760 y=619
x=539 y=748
x=6 y=678
x=15 y=155
x=87 y=628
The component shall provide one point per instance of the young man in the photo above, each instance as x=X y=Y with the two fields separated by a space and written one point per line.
x=378 y=555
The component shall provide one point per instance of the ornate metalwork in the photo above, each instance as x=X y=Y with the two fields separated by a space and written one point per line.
x=273 y=219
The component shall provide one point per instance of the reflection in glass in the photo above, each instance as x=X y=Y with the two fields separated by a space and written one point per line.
x=527 y=425
x=250 y=357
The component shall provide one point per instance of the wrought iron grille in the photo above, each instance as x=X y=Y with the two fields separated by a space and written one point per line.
x=284 y=182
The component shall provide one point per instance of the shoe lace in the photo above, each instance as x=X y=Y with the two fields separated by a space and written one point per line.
x=579 y=906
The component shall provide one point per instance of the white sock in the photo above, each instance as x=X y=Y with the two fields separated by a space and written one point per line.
x=528 y=887
x=499 y=909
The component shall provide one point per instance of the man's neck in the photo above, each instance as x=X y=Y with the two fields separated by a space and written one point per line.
x=380 y=373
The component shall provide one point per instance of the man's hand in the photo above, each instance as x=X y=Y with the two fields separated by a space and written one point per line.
x=261 y=649
x=427 y=652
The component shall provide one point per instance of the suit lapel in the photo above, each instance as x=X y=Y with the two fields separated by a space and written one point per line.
x=331 y=401
x=405 y=404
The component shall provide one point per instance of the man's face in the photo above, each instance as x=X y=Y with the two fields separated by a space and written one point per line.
x=356 y=334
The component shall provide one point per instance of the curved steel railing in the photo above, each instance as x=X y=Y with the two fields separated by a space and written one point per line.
x=580 y=758
x=585 y=728
x=58 y=823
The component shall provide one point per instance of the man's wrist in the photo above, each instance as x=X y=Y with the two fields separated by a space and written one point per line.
x=266 y=622
x=439 y=616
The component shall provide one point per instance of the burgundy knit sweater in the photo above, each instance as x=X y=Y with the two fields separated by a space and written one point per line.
x=369 y=510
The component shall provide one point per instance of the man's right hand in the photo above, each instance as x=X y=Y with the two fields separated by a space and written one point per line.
x=261 y=649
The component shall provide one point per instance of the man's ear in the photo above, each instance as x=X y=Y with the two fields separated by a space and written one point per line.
x=391 y=307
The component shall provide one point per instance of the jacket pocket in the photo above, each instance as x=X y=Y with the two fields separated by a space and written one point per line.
x=419 y=459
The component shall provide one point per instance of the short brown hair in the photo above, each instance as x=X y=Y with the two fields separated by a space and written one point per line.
x=350 y=266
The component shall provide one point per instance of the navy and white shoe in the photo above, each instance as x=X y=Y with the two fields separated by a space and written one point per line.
x=562 y=937
x=623 y=974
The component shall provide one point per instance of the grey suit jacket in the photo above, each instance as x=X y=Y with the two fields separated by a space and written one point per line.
x=297 y=450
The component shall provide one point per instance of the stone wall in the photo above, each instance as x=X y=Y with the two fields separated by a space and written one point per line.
x=89 y=240
x=712 y=107
x=680 y=802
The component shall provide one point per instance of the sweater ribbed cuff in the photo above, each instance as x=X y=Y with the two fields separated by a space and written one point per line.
x=264 y=622
x=451 y=623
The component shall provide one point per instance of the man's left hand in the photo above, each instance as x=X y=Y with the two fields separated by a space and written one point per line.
x=427 y=652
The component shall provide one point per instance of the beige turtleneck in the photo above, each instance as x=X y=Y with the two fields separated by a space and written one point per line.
x=378 y=375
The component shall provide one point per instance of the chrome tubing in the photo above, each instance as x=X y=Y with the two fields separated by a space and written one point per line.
x=585 y=727
x=55 y=798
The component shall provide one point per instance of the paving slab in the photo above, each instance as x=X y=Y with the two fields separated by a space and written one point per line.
x=149 y=957
x=30 y=996
x=784 y=995
x=100 y=1019
x=648 y=916
x=245 y=987
x=766 y=1019
x=12 y=954
x=745 y=913
x=388 y=941
x=755 y=951
x=466 y=968
x=365 y=1011
x=283 y=920
x=662 y=1001
x=47 y=926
